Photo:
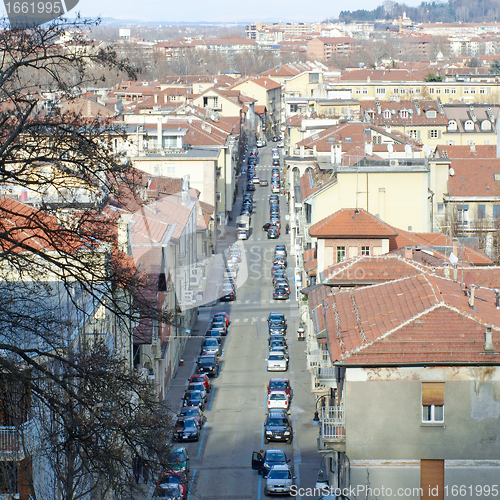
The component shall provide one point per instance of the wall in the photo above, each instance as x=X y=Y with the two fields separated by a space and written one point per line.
x=392 y=427
x=406 y=198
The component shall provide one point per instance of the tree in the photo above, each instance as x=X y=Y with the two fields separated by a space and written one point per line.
x=66 y=283
x=431 y=77
x=495 y=67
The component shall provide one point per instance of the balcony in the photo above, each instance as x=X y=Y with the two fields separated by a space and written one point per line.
x=332 y=429
x=17 y=441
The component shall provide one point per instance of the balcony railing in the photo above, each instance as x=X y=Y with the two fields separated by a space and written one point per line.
x=17 y=440
x=332 y=428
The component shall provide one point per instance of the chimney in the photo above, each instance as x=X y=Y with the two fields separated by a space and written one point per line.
x=408 y=253
x=455 y=247
x=446 y=269
x=472 y=296
x=185 y=190
x=159 y=132
x=417 y=255
x=488 y=341
x=156 y=98
x=455 y=274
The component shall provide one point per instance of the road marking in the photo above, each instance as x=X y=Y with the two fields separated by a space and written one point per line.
x=237 y=320
x=191 y=484
x=245 y=320
x=247 y=302
x=254 y=320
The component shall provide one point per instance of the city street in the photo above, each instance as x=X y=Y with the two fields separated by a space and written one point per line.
x=221 y=460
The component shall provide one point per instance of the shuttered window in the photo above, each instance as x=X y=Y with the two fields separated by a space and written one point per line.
x=432 y=402
x=432 y=479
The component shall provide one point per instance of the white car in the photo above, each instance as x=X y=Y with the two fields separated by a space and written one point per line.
x=278 y=399
x=283 y=349
x=279 y=480
x=277 y=362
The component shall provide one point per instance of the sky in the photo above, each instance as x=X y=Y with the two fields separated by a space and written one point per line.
x=226 y=11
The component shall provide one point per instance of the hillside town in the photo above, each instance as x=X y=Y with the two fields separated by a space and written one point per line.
x=136 y=219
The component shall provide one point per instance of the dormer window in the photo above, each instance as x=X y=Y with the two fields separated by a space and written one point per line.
x=486 y=125
x=404 y=113
x=387 y=114
x=370 y=114
x=452 y=126
x=431 y=113
x=469 y=126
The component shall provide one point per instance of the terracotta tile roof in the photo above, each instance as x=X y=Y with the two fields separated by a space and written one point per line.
x=413 y=118
x=475 y=177
x=485 y=276
x=267 y=83
x=26 y=229
x=389 y=75
x=479 y=151
x=310 y=261
x=352 y=223
x=436 y=242
x=314 y=181
x=416 y=320
x=370 y=269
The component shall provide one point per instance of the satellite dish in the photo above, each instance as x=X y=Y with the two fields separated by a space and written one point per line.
x=452 y=172
x=453 y=258
x=390 y=148
x=427 y=149
x=212 y=117
x=408 y=149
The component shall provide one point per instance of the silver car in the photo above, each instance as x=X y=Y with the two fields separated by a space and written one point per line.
x=279 y=480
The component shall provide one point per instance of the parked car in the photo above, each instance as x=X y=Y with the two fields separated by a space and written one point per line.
x=279 y=480
x=262 y=463
x=174 y=478
x=211 y=346
x=280 y=293
x=278 y=399
x=275 y=341
x=221 y=324
x=209 y=365
x=277 y=316
x=167 y=491
x=278 y=427
x=186 y=429
x=194 y=412
x=274 y=198
x=264 y=182
x=198 y=386
x=276 y=326
x=275 y=188
x=201 y=378
x=193 y=398
x=260 y=144
x=273 y=232
x=214 y=333
x=180 y=460
x=282 y=283
x=280 y=384
x=250 y=186
x=276 y=362
x=224 y=316
x=228 y=294
x=281 y=348
x=280 y=250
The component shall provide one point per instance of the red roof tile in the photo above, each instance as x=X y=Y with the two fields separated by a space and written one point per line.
x=475 y=177
x=352 y=223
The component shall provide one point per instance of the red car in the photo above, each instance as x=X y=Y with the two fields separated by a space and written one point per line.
x=179 y=478
x=200 y=377
x=223 y=315
x=280 y=384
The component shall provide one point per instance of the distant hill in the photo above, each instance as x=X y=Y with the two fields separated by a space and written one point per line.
x=472 y=11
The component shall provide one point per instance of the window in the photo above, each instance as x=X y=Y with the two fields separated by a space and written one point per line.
x=481 y=91
x=466 y=90
x=380 y=90
x=413 y=134
x=431 y=90
x=446 y=91
x=377 y=139
x=486 y=142
x=313 y=77
x=395 y=91
x=438 y=91
x=440 y=209
x=463 y=214
x=171 y=169
x=430 y=113
x=481 y=209
x=340 y=254
x=452 y=126
x=294 y=108
x=218 y=196
x=432 y=402
x=496 y=211
x=387 y=114
x=403 y=113
x=472 y=90
x=365 y=250
x=365 y=91
x=358 y=91
x=434 y=134
x=453 y=91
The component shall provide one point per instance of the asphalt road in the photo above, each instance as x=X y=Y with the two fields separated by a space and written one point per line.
x=221 y=460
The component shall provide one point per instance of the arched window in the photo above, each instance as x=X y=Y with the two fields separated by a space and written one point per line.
x=469 y=126
x=485 y=125
x=452 y=126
